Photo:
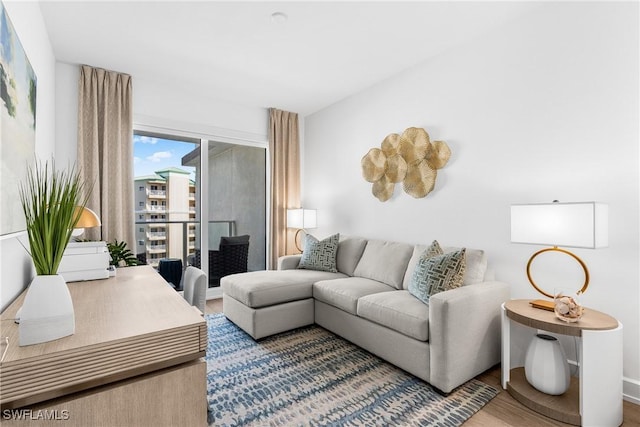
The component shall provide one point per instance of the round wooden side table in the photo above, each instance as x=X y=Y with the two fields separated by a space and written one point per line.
x=594 y=397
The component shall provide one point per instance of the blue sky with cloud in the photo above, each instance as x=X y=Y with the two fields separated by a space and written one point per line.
x=151 y=154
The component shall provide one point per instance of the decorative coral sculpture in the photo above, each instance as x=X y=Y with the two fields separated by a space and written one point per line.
x=410 y=158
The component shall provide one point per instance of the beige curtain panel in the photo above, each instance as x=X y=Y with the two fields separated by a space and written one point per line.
x=284 y=147
x=105 y=151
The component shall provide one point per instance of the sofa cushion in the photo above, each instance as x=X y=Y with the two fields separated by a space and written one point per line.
x=349 y=252
x=398 y=310
x=476 y=264
x=320 y=255
x=263 y=288
x=344 y=293
x=437 y=273
x=385 y=262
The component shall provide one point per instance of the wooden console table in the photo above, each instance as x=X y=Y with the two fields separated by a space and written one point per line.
x=136 y=358
x=593 y=399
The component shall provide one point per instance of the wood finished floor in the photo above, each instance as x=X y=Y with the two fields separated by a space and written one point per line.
x=503 y=410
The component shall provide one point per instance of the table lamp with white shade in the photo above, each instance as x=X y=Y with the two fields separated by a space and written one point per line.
x=82 y=259
x=573 y=225
x=301 y=219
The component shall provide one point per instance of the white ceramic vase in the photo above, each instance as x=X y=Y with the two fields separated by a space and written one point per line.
x=47 y=311
x=545 y=365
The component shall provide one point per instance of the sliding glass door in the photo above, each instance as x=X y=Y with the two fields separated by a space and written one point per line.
x=178 y=191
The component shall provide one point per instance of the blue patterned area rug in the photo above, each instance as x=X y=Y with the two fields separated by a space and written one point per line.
x=311 y=377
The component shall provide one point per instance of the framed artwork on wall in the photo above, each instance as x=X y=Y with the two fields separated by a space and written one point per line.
x=18 y=85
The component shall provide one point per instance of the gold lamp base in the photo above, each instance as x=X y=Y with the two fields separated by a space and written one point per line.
x=545 y=304
x=296 y=238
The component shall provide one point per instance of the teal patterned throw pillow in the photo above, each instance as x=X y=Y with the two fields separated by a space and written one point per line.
x=437 y=273
x=433 y=250
x=320 y=255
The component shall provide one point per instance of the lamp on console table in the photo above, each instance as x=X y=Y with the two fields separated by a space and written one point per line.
x=301 y=219
x=88 y=219
x=574 y=225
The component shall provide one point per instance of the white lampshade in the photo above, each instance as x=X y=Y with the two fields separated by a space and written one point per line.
x=301 y=218
x=577 y=225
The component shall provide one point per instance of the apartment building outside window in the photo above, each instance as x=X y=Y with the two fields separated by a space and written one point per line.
x=166 y=196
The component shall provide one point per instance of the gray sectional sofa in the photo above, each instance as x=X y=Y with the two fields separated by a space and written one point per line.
x=446 y=342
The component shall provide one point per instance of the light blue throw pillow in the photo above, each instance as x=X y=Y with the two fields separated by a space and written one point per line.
x=320 y=255
x=437 y=272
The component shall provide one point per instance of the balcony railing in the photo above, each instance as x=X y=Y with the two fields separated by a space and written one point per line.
x=187 y=233
x=157 y=208
x=162 y=193
x=157 y=235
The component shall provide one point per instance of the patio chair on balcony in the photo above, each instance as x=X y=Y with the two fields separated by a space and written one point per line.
x=232 y=257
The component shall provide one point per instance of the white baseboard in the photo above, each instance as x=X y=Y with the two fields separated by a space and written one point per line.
x=631 y=390
x=214 y=293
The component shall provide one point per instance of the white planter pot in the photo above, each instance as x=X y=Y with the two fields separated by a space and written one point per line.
x=47 y=311
x=546 y=366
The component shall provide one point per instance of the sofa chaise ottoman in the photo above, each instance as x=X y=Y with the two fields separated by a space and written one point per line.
x=365 y=299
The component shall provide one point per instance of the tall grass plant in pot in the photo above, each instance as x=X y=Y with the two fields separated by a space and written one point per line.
x=49 y=198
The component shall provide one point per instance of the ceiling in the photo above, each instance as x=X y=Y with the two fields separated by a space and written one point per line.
x=236 y=52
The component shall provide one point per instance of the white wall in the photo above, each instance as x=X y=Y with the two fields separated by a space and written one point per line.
x=16 y=269
x=543 y=108
x=159 y=100
x=67 y=77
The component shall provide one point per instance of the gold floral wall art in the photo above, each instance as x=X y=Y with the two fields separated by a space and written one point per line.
x=410 y=158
